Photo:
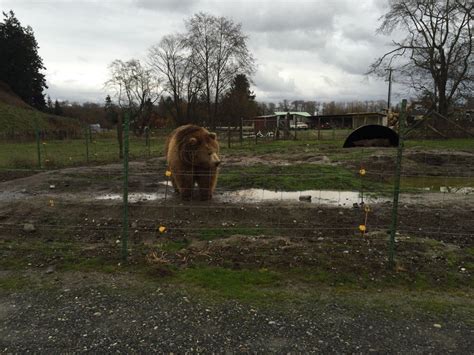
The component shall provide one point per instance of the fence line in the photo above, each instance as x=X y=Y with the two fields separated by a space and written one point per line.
x=168 y=207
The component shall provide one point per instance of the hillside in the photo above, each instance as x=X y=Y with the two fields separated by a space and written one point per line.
x=7 y=96
x=18 y=118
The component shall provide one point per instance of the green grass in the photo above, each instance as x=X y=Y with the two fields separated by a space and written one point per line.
x=249 y=285
x=13 y=283
x=288 y=147
x=359 y=286
x=450 y=144
x=297 y=177
x=21 y=121
x=63 y=153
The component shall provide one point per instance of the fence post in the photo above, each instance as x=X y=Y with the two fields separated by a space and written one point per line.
x=228 y=135
x=147 y=140
x=296 y=125
x=86 y=131
x=396 y=190
x=333 y=130
x=38 y=143
x=125 y=187
x=319 y=128
x=241 y=131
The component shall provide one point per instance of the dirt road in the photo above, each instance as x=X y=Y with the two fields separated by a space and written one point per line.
x=108 y=319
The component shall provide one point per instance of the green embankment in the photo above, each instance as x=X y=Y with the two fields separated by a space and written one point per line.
x=18 y=121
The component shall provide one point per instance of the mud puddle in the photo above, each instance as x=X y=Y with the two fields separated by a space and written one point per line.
x=325 y=197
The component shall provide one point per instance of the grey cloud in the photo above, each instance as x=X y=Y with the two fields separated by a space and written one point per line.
x=165 y=5
x=297 y=40
x=280 y=16
x=75 y=94
x=328 y=80
x=358 y=33
x=269 y=81
x=315 y=43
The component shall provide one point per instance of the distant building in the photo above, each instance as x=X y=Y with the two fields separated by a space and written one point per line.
x=271 y=122
x=347 y=120
x=95 y=128
x=294 y=116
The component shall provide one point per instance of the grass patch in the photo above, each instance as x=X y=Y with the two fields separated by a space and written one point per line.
x=14 y=283
x=452 y=144
x=298 y=177
x=67 y=256
x=23 y=121
x=73 y=152
x=245 y=285
x=96 y=263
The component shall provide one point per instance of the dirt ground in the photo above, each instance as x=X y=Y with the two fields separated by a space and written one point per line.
x=52 y=220
x=72 y=205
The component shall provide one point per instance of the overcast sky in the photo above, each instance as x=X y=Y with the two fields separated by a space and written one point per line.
x=308 y=50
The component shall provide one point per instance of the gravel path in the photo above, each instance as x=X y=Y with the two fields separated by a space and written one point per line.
x=97 y=321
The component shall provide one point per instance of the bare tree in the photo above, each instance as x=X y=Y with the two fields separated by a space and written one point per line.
x=219 y=53
x=135 y=88
x=169 y=60
x=435 y=57
x=194 y=87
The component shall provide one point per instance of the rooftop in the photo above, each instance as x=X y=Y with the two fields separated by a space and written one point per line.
x=283 y=113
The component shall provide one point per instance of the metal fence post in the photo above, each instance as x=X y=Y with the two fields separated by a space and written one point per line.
x=87 y=143
x=147 y=139
x=396 y=190
x=38 y=144
x=241 y=131
x=319 y=128
x=125 y=187
x=296 y=125
x=333 y=130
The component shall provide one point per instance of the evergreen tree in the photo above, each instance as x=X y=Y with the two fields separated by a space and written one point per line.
x=49 y=108
x=239 y=101
x=20 y=64
x=58 y=110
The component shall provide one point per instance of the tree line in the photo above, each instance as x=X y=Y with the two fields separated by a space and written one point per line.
x=204 y=75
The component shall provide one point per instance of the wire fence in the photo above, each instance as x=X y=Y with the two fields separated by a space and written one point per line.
x=368 y=202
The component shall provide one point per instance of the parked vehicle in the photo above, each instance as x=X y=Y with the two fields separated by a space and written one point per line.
x=299 y=125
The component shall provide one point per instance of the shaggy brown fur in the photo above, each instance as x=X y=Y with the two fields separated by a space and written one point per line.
x=192 y=155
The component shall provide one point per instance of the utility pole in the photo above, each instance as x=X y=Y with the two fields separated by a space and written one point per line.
x=389 y=88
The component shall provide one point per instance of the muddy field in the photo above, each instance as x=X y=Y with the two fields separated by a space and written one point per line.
x=243 y=228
